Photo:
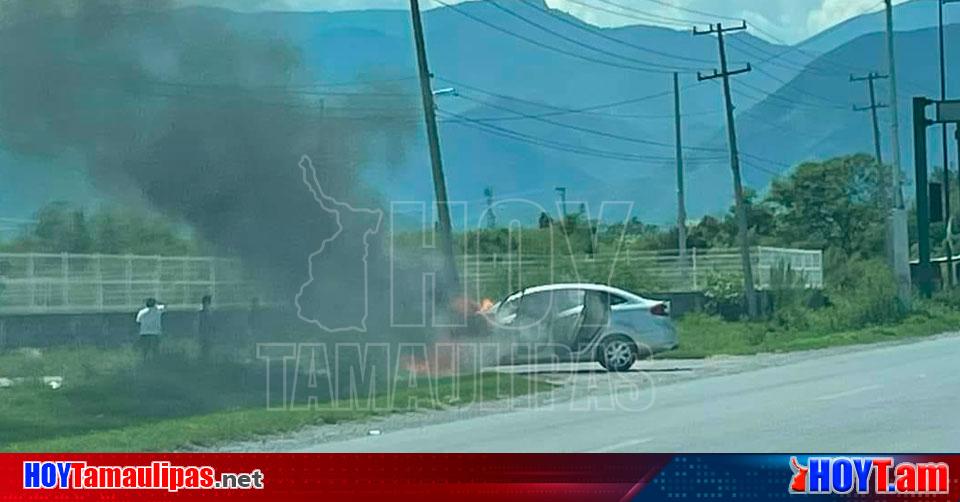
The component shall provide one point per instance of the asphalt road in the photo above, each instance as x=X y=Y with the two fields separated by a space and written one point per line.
x=888 y=398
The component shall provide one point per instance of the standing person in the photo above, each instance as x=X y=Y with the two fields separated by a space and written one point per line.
x=206 y=329
x=151 y=327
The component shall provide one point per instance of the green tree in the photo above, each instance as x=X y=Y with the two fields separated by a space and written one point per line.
x=833 y=205
x=63 y=228
x=712 y=232
x=60 y=228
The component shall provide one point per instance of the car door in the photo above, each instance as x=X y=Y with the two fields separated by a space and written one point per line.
x=594 y=318
x=535 y=323
x=568 y=313
x=534 y=318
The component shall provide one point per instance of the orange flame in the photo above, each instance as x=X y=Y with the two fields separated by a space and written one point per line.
x=486 y=305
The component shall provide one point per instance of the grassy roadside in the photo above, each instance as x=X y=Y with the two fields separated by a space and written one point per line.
x=109 y=402
x=214 y=428
x=704 y=336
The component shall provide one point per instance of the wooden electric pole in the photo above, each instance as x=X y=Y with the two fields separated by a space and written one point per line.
x=742 y=227
x=681 y=203
x=898 y=240
x=433 y=140
x=945 y=145
x=874 y=106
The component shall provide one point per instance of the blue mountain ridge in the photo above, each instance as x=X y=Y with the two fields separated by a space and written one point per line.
x=488 y=68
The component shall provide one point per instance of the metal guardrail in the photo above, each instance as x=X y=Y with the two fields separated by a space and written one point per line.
x=37 y=283
x=663 y=271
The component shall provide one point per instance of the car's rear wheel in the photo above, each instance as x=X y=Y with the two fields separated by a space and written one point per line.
x=617 y=353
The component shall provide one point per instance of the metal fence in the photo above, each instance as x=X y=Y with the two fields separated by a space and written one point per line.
x=34 y=283
x=661 y=271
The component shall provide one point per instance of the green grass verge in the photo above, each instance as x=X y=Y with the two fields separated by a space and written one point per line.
x=704 y=336
x=110 y=402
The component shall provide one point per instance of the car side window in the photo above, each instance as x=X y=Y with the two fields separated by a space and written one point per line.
x=567 y=299
x=535 y=306
x=539 y=305
x=616 y=299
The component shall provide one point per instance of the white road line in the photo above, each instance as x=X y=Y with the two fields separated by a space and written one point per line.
x=620 y=446
x=848 y=393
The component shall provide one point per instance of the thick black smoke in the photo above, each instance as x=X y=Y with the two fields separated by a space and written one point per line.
x=173 y=107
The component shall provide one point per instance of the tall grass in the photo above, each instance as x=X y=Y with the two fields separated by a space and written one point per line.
x=859 y=306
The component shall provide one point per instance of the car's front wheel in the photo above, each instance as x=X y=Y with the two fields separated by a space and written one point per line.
x=617 y=353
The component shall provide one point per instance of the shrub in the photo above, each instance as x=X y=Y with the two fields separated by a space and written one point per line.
x=866 y=297
x=724 y=294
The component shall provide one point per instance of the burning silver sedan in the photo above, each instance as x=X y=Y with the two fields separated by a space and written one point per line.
x=582 y=322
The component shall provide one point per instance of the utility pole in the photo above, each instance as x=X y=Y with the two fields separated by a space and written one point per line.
x=490 y=218
x=725 y=74
x=562 y=191
x=681 y=203
x=898 y=243
x=874 y=106
x=946 y=153
x=950 y=270
x=920 y=125
x=433 y=140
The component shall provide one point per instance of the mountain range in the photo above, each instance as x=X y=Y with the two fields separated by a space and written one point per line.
x=543 y=100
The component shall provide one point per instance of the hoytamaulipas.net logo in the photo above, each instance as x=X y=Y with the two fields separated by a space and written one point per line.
x=157 y=475
x=868 y=475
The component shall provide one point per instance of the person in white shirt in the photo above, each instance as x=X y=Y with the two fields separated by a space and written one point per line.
x=151 y=327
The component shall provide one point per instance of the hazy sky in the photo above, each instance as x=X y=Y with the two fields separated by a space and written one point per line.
x=790 y=20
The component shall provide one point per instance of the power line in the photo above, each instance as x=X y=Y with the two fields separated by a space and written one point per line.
x=322 y=112
x=564 y=125
x=758 y=118
x=561 y=110
x=760 y=168
x=595 y=132
x=685 y=22
x=681 y=22
x=540 y=118
x=771 y=36
x=773 y=95
x=766 y=56
x=764 y=159
x=556 y=145
x=783 y=42
x=546 y=46
x=818 y=62
x=575 y=41
x=691 y=11
x=463 y=85
x=599 y=33
x=519 y=137
x=360 y=82
x=774 y=77
x=277 y=89
x=819 y=58
x=586 y=111
x=645 y=17
x=791 y=86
